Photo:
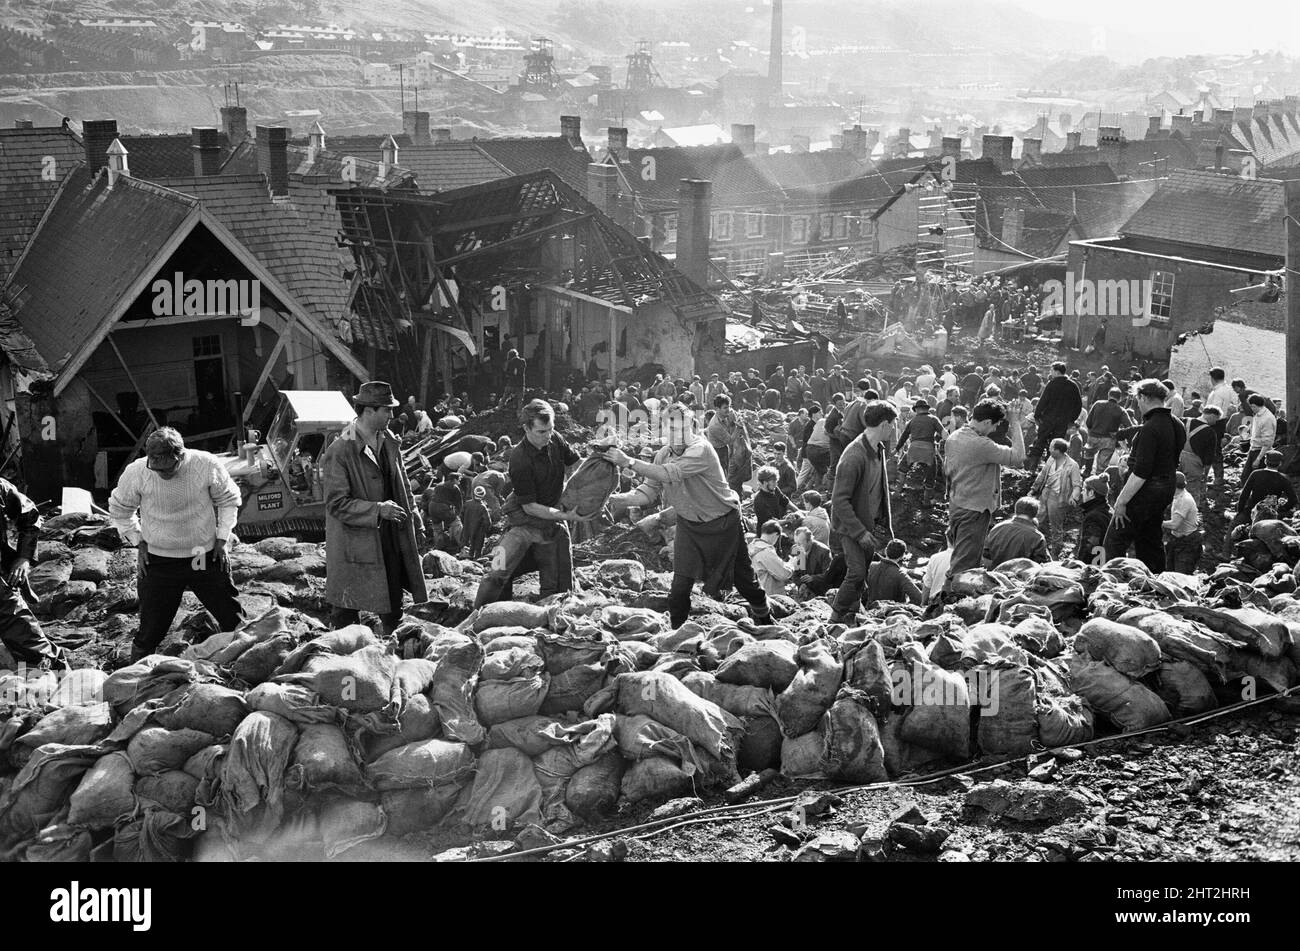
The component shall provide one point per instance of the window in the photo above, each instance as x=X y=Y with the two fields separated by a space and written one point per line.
x=827 y=224
x=209 y=346
x=670 y=228
x=1161 y=304
x=722 y=226
x=754 y=224
x=842 y=226
x=799 y=229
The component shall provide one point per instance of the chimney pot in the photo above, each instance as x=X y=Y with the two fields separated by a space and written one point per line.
x=855 y=142
x=234 y=121
x=617 y=137
x=97 y=135
x=273 y=158
x=206 y=147
x=694 y=211
x=571 y=128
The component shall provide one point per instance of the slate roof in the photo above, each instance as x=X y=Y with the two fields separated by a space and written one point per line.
x=327 y=166
x=451 y=165
x=1100 y=203
x=811 y=173
x=1274 y=140
x=1205 y=209
x=78 y=267
x=566 y=158
x=24 y=194
x=164 y=156
x=738 y=180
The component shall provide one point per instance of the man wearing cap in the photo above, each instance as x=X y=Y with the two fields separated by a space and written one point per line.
x=371 y=554
x=178 y=507
x=1140 y=506
x=1106 y=418
x=536 y=535
x=20 y=632
x=921 y=438
x=1265 y=481
x=1200 y=451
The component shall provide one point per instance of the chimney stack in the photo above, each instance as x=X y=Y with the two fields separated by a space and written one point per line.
x=273 y=158
x=207 y=151
x=115 y=156
x=997 y=148
x=855 y=142
x=616 y=138
x=441 y=136
x=903 y=145
x=602 y=188
x=742 y=136
x=774 y=77
x=800 y=144
x=1182 y=124
x=22 y=123
x=694 y=207
x=1223 y=118
x=1013 y=225
x=1031 y=150
x=873 y=139
x=234 y=122
x=415 y=126
x=1198 y=117
x=97 y=135
x=1276 y=107
x=1073 y=140
x=1110 y=145
x=1153 y=126
x=571 y=128
x=951 y=145
x=387 y=156
x=977 y=140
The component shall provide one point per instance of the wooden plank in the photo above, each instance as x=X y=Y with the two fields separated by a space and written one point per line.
x=131 y=377
x=251 y=403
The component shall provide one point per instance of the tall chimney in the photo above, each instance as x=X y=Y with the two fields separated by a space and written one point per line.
x=617 y=138
x=1073 y=140
x=694 y=207
x=234 y=122
x=774 y=77
x=441 y=136
x=415 y=126
x=951 y=145
x=742 y=136
x=273 y=158
x=97 y=135
x=1031 y=150
x=1110 y=147
x=115 y=156
x=602 y=187
x=855 y=142
x=571 y=128
x=997 y=149
x=207 y=151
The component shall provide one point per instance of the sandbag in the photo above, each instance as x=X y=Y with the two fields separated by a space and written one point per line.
x=1129 y=704
x=621 y=573
x=902 y=757
x=736 y=699
x=417 y=810
x=452 y=693
x=208 y=708
x=104 y=794
x=1038 y=636
x=510 y=614
x=1181 y=639
x=1129 y=650
x=655 y=778
x=1063 y=721
x=418 y=721
x=1264 y=633
x=865 y=669
x=562 y=652
x=640 y=737
x=590 y=486
x=632 y=623
x=41 y=789
x=533 y=735
x=414 y=677
x=291 y=701
x=158 y=836
x=801 y=705
x=593 y=790
x=496 y=701
x=938 y=714
x=362 y=682
x=345 y=823
x=1184 y=688
x=70 y=726
x=504 y=638
x=505 y=792
x=760 y=744
x=261 y=661
x=1008 y=714
x=323 y=759
x=252 y=775
x=154 y=749
x=1279 y=673
x=852 y=752
x=61 y=843
x=667 y=700
x=555 y=766
x=990 y=642
x=801 y=756
x=768 y=664
x=78 y=688
x=428 y=763
x=512 y=663
x=342 y=642
x=173 y=790
x=571 y=689
x=206 y=762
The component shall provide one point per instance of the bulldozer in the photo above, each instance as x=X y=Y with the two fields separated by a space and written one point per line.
x=279 y=478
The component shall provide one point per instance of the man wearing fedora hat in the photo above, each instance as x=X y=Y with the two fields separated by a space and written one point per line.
x=371 y=555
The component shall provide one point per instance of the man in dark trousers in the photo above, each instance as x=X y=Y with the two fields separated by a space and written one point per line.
x=860 y=517
x=1140 y=508
x=1259 y=485
x=20 y=632
x=1106 y=418
x=709 y=545
x=536 y=535
x=1059 y=406
x=371 y=555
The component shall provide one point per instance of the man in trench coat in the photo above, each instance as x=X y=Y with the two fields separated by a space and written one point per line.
x=370 y=549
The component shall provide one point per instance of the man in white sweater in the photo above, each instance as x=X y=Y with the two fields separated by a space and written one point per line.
x=178 y=506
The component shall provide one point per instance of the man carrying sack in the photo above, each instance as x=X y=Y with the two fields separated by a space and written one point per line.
x=371 y=555
x=20 y=632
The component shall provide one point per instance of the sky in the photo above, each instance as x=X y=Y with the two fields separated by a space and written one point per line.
x=1183 y=27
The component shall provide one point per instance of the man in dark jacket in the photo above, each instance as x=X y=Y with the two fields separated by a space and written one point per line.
x=1105 y=419
x=20 y=632
x=1140 y=506
x=886 y=579
x=1059 y=406
x=1263 y=482
x=860 y=517
x=1017 y=537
